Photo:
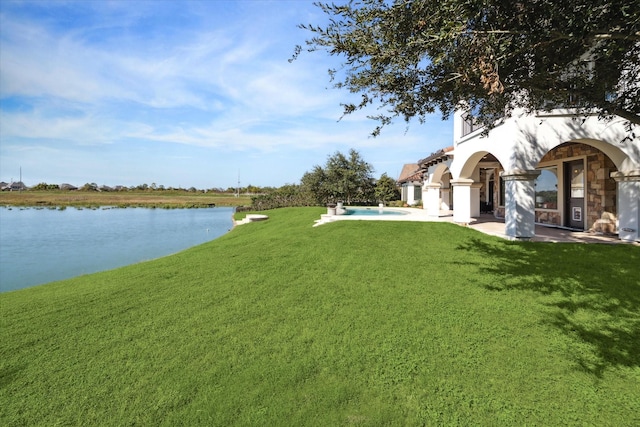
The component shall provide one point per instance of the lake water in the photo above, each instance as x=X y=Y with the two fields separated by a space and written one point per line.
x=43 y=245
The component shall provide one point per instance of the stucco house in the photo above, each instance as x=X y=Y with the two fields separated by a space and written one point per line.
x=14 y=186
x=68 y=187
x=549 y=168
x=410 y=182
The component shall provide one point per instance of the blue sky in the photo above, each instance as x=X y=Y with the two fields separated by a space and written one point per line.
x=180 y=94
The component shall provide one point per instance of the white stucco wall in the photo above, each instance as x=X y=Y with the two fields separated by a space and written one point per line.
x=523 y=140
x=409 y=190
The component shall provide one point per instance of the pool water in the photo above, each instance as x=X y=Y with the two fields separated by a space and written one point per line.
x=372 y=211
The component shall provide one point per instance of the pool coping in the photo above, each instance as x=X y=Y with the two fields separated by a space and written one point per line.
x=410 y=214
x=485 y=223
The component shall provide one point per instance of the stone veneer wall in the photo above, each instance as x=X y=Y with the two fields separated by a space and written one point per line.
x=548 y=217
x=483 y=190
x=600 y=192
x=498 y=211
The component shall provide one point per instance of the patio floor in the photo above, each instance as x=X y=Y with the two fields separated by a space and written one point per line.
x=487 y=224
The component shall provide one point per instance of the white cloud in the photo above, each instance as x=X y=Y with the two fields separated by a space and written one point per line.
x=80 y=130
x=215 y=78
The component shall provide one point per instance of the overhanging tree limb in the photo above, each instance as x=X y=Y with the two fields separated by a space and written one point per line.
x=413 y=56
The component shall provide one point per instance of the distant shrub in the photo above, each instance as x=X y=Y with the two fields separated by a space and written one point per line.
x=286 y=196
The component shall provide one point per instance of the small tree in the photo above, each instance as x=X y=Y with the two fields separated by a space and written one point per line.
x=349 y=178
x=314 y=183
x=345 y=178
x=386 y=189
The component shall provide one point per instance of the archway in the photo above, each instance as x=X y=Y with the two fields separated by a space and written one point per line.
x=436 y=190
x=476 y=190
x=585 y=196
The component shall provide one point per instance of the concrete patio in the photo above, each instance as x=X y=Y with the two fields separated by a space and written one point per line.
x=487 y=224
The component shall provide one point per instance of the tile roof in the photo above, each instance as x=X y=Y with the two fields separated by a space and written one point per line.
x=410 y=172
x=436 y=157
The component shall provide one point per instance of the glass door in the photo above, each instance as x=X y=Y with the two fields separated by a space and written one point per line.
x=574 y=190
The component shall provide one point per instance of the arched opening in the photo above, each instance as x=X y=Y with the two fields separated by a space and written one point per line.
x=481 y=174
x=442 y=175
x=575 y=188
x=437 y=195
x=489 y=178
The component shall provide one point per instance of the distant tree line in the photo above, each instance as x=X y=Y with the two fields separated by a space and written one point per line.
x=92 y=186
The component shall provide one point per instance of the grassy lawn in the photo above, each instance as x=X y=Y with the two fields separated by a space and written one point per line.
x=350 y=323
x=159 y=199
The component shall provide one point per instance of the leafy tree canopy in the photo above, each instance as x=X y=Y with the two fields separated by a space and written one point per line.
x=413 y=57
x=386 y=189
x=315 y=183
x=346 y=178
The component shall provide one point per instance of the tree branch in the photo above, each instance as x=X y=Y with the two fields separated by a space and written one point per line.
x=627 y=115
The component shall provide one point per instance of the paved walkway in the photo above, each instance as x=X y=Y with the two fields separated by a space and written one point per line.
x=486 y=223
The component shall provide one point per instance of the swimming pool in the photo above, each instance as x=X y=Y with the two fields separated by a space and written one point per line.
x=372 y=211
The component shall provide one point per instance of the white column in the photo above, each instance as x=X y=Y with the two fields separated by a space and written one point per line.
x=462 y=200
x=411 y=200
x=520 y=206
x=431 y=199
x=628 y=204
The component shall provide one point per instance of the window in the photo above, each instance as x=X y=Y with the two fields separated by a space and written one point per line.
x=502 y=192
x=417 y=193
x=468 y=124
x=577 y=180
x=547 y=189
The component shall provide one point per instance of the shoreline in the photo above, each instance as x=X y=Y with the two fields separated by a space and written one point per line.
x=145 y=199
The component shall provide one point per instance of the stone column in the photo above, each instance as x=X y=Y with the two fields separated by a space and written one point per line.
x=462 y=200
x=520 y=206
x=475 y=199
x=431 y=199
x=444 y=198
x=628 y=204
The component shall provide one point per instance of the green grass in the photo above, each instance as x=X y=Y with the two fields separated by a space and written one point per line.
x=350 y=323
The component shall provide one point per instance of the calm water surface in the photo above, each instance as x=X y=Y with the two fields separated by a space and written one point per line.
x=42 y=245
x=372 y=211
